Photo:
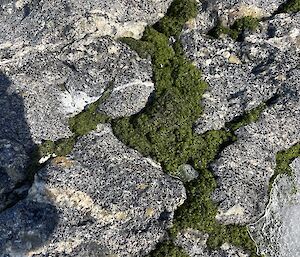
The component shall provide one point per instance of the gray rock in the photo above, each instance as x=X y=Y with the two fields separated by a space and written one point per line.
x=194 y=244
x=277 y=233
x=279 y=224
x=241 y=75
x=36 y=24
x=108 y=199
x=186 y=173
x=244 y=168
x=226 y=12
x=15 y=142
x=53 y=86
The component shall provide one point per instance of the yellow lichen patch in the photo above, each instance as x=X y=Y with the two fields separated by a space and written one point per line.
x=62 y=161
x=70 y=198
x=234 y=59
x=244 y=11
x=121 y=215
x=141 y=186
x=150 y=212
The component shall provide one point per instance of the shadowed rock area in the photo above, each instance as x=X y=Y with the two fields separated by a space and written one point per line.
x=105 y=194
x=15 y=144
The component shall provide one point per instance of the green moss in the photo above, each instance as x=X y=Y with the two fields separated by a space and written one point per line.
x=291 y=6
x=164 y=130
x=283 y=160
x=61 y=147
x=178 y=14
x=167 y=249
x=237 y=29
x=87 y=120
x=247 y=118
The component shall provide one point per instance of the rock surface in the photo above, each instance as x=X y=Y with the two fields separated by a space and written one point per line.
x=244 y=168
x=103 y=198
x=241 y=75
x=277 y=233
x=45 y=24
x=193 y=242
x=227 y=11
x=56 y=85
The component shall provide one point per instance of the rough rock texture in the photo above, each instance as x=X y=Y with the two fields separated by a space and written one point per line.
x=36 y=23
x=227 y=11
x=277 y=233
x=245 y=167
x=41 y=90
x=56 y=85
x=193 y=243
x=241 y=75
x=104 y=198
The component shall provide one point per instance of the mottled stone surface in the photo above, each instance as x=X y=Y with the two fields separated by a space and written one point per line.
x=241 y=75
x=54 y=85
x=227 y=11
x=277 y=233
x=103 y=196
x=47 y=23
x=244 y=168
x=193 y=242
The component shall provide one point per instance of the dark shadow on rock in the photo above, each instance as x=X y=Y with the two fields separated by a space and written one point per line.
x=23 y=223
x=25 y=227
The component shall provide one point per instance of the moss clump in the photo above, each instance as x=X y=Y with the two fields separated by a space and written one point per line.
x=291 y=6
x=60 y=147
x=198 y=212
x=237 y=29
x=178 y=14
x=87 y=120
x=247 y=118
x=283 y=160
x=167 y=249
x=164 y=130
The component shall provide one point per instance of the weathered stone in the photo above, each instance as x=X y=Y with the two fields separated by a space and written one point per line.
x=43 y=24
x=277 y=233
x=15 y=142
x=194 y=244
x=226 y=12
x=54 y=86
x=241 y=75
x=244 y=168
x=108 y=199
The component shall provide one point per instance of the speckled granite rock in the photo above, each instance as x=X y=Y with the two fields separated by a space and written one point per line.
x=277 y=233
x=44 y=24
x=226 y=12
x=105 y=197
x=56 y=85
x=241 y=75
x=244 y=168
x=193 y=242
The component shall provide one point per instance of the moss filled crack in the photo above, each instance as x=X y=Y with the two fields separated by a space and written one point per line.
x=164 y=130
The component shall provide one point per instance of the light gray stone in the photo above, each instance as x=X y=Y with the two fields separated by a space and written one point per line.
x=193 y=242
x=244 y=168
x=34 y=24
x=242 y=75
x=227 y=11
x=105 y=198
x=277 y=233
x=53 y=86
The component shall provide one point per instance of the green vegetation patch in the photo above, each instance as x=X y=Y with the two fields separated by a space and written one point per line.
x=164 y=130
x=167 y=249
x=237 y=29
x=283 y=161
x=291 y=6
